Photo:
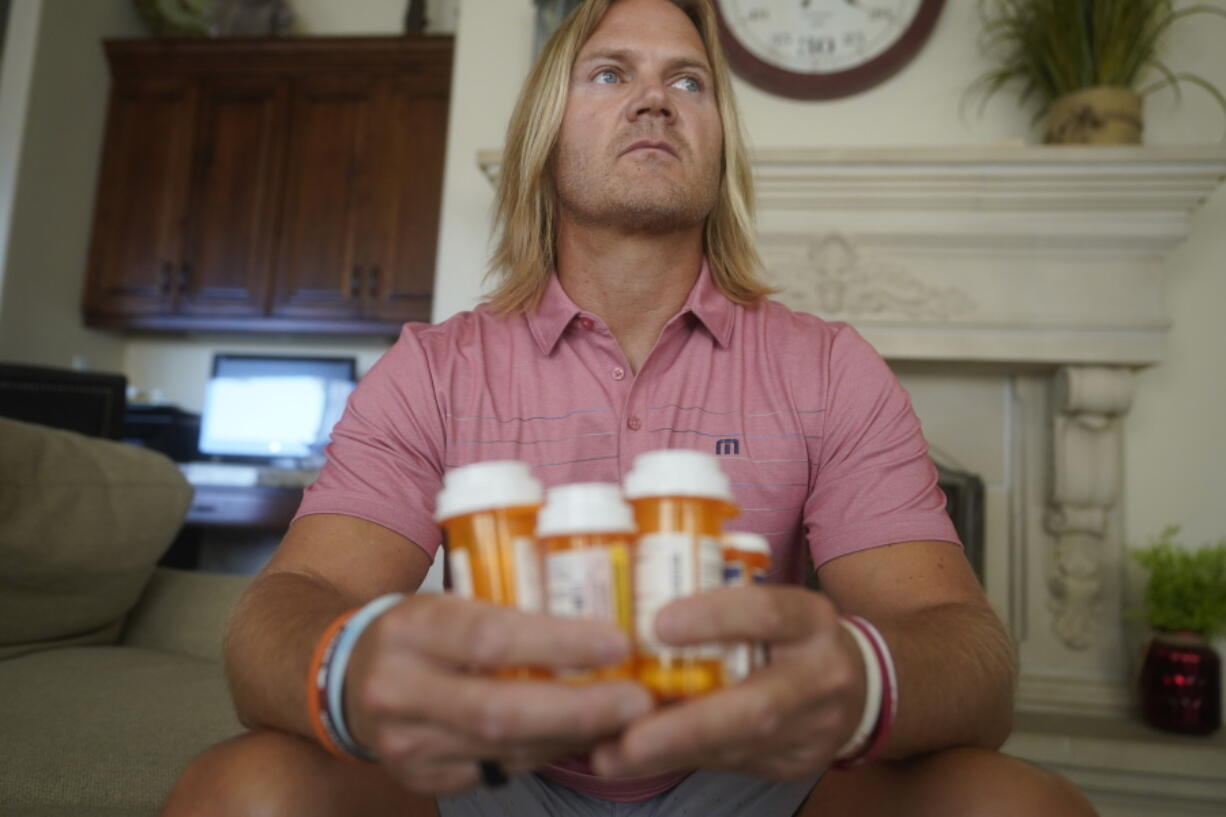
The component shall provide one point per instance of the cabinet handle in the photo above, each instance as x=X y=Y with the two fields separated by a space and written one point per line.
x=374 y=282
x=164 y=278
x=355 y=282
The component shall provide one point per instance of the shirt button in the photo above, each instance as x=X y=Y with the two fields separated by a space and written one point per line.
x=587 y=323
x=619 y=373
x=633 y=424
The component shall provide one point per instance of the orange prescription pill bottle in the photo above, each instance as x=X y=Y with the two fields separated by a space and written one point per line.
x=680 y=499
x=488 y=512
x=747 y=560
x=586 y=531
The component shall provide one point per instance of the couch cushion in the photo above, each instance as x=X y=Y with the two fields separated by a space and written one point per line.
x=99 y=730
x=83 y=522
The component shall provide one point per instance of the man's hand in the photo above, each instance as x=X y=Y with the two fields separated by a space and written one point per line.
x=420 y=694
x=783 y=722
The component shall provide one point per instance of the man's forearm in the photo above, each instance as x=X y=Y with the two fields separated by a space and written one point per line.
x=956 y=674
x=268 y=648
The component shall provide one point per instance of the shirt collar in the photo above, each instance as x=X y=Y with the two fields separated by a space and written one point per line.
x=556 y=311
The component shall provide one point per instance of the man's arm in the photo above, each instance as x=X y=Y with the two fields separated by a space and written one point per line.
x=325 y=565
x=956 y=664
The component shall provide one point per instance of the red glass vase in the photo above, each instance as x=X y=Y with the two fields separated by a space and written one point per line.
x=1181 y=684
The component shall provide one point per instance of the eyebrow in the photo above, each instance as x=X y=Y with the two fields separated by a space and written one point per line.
x=625 y=55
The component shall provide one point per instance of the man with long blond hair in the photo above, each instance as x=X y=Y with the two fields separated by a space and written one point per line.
x=628 y=316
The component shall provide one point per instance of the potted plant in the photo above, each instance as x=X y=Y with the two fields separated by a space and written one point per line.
x=1087 y=63
x=1185 y=604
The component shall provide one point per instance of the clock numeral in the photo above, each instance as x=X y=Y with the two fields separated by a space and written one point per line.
x=879 y=13
x=757 y=15
x=854 y=40
x=781 y=39
x=819 y=46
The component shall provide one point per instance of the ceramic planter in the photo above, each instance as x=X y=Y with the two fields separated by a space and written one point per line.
x=1103 y=115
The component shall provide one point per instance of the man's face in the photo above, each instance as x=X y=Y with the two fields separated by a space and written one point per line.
x=641 y=140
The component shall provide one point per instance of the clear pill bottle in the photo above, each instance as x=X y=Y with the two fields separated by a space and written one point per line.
x=747 y=560
x=681 y=499
x=586 y=531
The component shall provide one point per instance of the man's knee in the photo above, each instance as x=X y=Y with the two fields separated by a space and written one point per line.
x=271 y=773
x=961 y=782
x=982 y=783
x=249 y=774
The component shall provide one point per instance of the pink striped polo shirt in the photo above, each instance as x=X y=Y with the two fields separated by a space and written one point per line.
x=818 y=438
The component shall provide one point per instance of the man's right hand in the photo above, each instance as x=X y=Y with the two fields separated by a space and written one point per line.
x=419 y=690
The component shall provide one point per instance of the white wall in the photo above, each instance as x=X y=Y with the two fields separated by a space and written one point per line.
x=1176 y=446
x=1176 y=440
x=52 y=202
x=16 y=69
x=359 y=17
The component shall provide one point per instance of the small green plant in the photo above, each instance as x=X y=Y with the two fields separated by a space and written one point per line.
x=1055 y=47
x=1187 y=588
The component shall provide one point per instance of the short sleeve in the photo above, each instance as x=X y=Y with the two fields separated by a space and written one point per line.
x=874 y=483
x=385 y=461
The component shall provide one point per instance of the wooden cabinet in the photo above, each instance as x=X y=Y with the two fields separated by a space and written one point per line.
x=270 y=185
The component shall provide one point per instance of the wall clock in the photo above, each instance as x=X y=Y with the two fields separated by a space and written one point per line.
x=823 y=49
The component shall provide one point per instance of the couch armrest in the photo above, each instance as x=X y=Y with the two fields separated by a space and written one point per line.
x=184 y=611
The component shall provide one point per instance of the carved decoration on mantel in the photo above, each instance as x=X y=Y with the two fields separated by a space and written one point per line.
x=831 y=276
x=1089 y=404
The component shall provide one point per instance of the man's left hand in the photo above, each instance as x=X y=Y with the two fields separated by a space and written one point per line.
x=784 y=721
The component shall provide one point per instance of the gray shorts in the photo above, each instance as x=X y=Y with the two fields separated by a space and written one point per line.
x=702 y=794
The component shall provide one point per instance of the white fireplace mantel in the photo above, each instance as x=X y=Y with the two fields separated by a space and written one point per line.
x=1010 y=254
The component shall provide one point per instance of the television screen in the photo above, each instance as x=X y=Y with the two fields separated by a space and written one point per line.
x=271 y=407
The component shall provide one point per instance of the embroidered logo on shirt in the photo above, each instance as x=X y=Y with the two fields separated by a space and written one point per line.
x=728 y=445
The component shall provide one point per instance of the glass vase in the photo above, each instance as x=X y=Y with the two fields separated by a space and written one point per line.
x=1181 y=684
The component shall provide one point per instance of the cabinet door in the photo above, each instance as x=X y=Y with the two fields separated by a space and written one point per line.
x=408 y=160
x=318 y=267
x=225 y=271
x=142 y=200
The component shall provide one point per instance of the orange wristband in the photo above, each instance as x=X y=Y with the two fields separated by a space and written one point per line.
x=317 y=687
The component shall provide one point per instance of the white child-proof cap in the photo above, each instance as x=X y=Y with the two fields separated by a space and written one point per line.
x=485 y=486
x=677 y=472
x=749 y=542
x=584 y=507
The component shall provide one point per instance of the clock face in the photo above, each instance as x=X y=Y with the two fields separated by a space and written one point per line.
x=823 y=48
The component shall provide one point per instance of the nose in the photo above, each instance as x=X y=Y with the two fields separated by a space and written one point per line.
x=652 y=101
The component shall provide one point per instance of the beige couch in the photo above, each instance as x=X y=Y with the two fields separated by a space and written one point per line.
x=110 y=680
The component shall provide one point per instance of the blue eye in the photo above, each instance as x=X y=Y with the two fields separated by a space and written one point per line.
x=689 y=84
x=608 y=72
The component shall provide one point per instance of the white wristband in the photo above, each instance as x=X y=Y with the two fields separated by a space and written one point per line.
x=346 y=640
x=872 y=694
x=887 y=659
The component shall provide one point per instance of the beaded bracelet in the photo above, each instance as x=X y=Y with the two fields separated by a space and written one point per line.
x=888 y=701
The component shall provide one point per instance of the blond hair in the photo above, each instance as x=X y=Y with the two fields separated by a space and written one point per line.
x=527 y=207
